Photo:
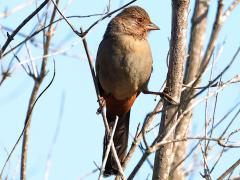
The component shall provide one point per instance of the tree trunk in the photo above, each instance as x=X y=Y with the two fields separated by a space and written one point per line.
x=163 y=157
x=198 y=29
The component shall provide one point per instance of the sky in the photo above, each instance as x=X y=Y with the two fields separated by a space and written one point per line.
x=66 y=133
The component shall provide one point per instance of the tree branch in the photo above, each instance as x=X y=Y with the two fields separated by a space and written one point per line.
x=25 y=21
x=198 y=30
x=99 y=101
x=229 y=170
x=27 y=121
x=38 y=82
x=163 y=157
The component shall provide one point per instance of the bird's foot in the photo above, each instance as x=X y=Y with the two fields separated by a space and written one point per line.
x=102 y=103
x=163 y=95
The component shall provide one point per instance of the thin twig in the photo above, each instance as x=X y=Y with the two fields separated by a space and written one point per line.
x=108 y=149
x=71 y=26
x=155 y=147
x=220 y=74
x=206 y=124
x=196 y=145
x=106 y=16
x=26 y=122
x=99 y=101
x=34 y=74
x=235 y=79
x=8 y=72
x=25 y=21
x=230 y=123
x=15 y=9
x=137 y=140
x=88 y=174
x=230 y=9
x=46 y=44
x=56 y=134
x=157 y=143
x=229 y=170
x=83 y=34
x=45 y=27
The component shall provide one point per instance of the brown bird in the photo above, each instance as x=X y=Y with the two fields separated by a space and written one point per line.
x=123 y=67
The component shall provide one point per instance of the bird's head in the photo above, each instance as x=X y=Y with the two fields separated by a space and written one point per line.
x=133 y=21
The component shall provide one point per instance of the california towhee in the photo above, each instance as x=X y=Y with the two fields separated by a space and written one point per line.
x=123 y=67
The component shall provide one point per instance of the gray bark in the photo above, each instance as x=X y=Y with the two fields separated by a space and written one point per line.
x=198 y=30
x=163 y=157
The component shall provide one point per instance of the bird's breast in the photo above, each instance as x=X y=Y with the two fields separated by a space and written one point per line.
x=124 y=65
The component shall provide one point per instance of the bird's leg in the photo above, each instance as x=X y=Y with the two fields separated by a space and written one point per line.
x=163 y=95
x=102 y=103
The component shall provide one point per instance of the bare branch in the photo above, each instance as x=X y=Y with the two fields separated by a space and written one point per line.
x=164 y=140
x=42 y=29
x=230 y=9
x=99 y=101
x=35 y=90
x=213 y=38
x=56 y=134
x=155 y=147
x=27 y=121
x=138 y=138
x=106 y=16
x=16 y=8
x=198 y=30
x=164 y=156
x=108 y=149
x=220 y=74
x=83 y=34
x=219 y=20
x=229 y=170
x=215 y=126
x=25 y=21
x=71 y=26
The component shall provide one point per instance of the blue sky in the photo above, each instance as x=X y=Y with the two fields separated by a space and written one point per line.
x=80 y=134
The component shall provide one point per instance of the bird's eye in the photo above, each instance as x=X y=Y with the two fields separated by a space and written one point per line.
x=140 y=20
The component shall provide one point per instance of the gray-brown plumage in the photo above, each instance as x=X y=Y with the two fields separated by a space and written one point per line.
x=123 y=67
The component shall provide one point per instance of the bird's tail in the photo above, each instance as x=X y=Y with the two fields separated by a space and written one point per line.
x=120 y=140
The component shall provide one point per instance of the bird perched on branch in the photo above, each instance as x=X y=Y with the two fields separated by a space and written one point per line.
x=123 y=67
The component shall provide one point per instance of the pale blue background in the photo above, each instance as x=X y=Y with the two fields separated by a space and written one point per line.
x=79 y=140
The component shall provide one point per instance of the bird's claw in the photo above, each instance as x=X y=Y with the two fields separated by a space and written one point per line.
x=102 y=103
x=168 y=98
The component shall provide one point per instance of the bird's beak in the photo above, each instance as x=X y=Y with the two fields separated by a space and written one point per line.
x=152 y=26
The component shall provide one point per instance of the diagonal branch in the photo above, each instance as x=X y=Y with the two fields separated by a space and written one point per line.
x=139 y=137
x=229 y=170
x=83 y=34
x=164 y=140
x=230 y=9
x=27 y=121
x=108 y=149
x=99 y=101
x=25 y=21
x=37 y=84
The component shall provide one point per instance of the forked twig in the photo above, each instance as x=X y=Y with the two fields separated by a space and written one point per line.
x=27 y=122
x=99 y=101
x=24 y=22
x=108 y=149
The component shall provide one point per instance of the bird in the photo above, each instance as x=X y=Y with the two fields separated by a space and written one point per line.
x=123 y=69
